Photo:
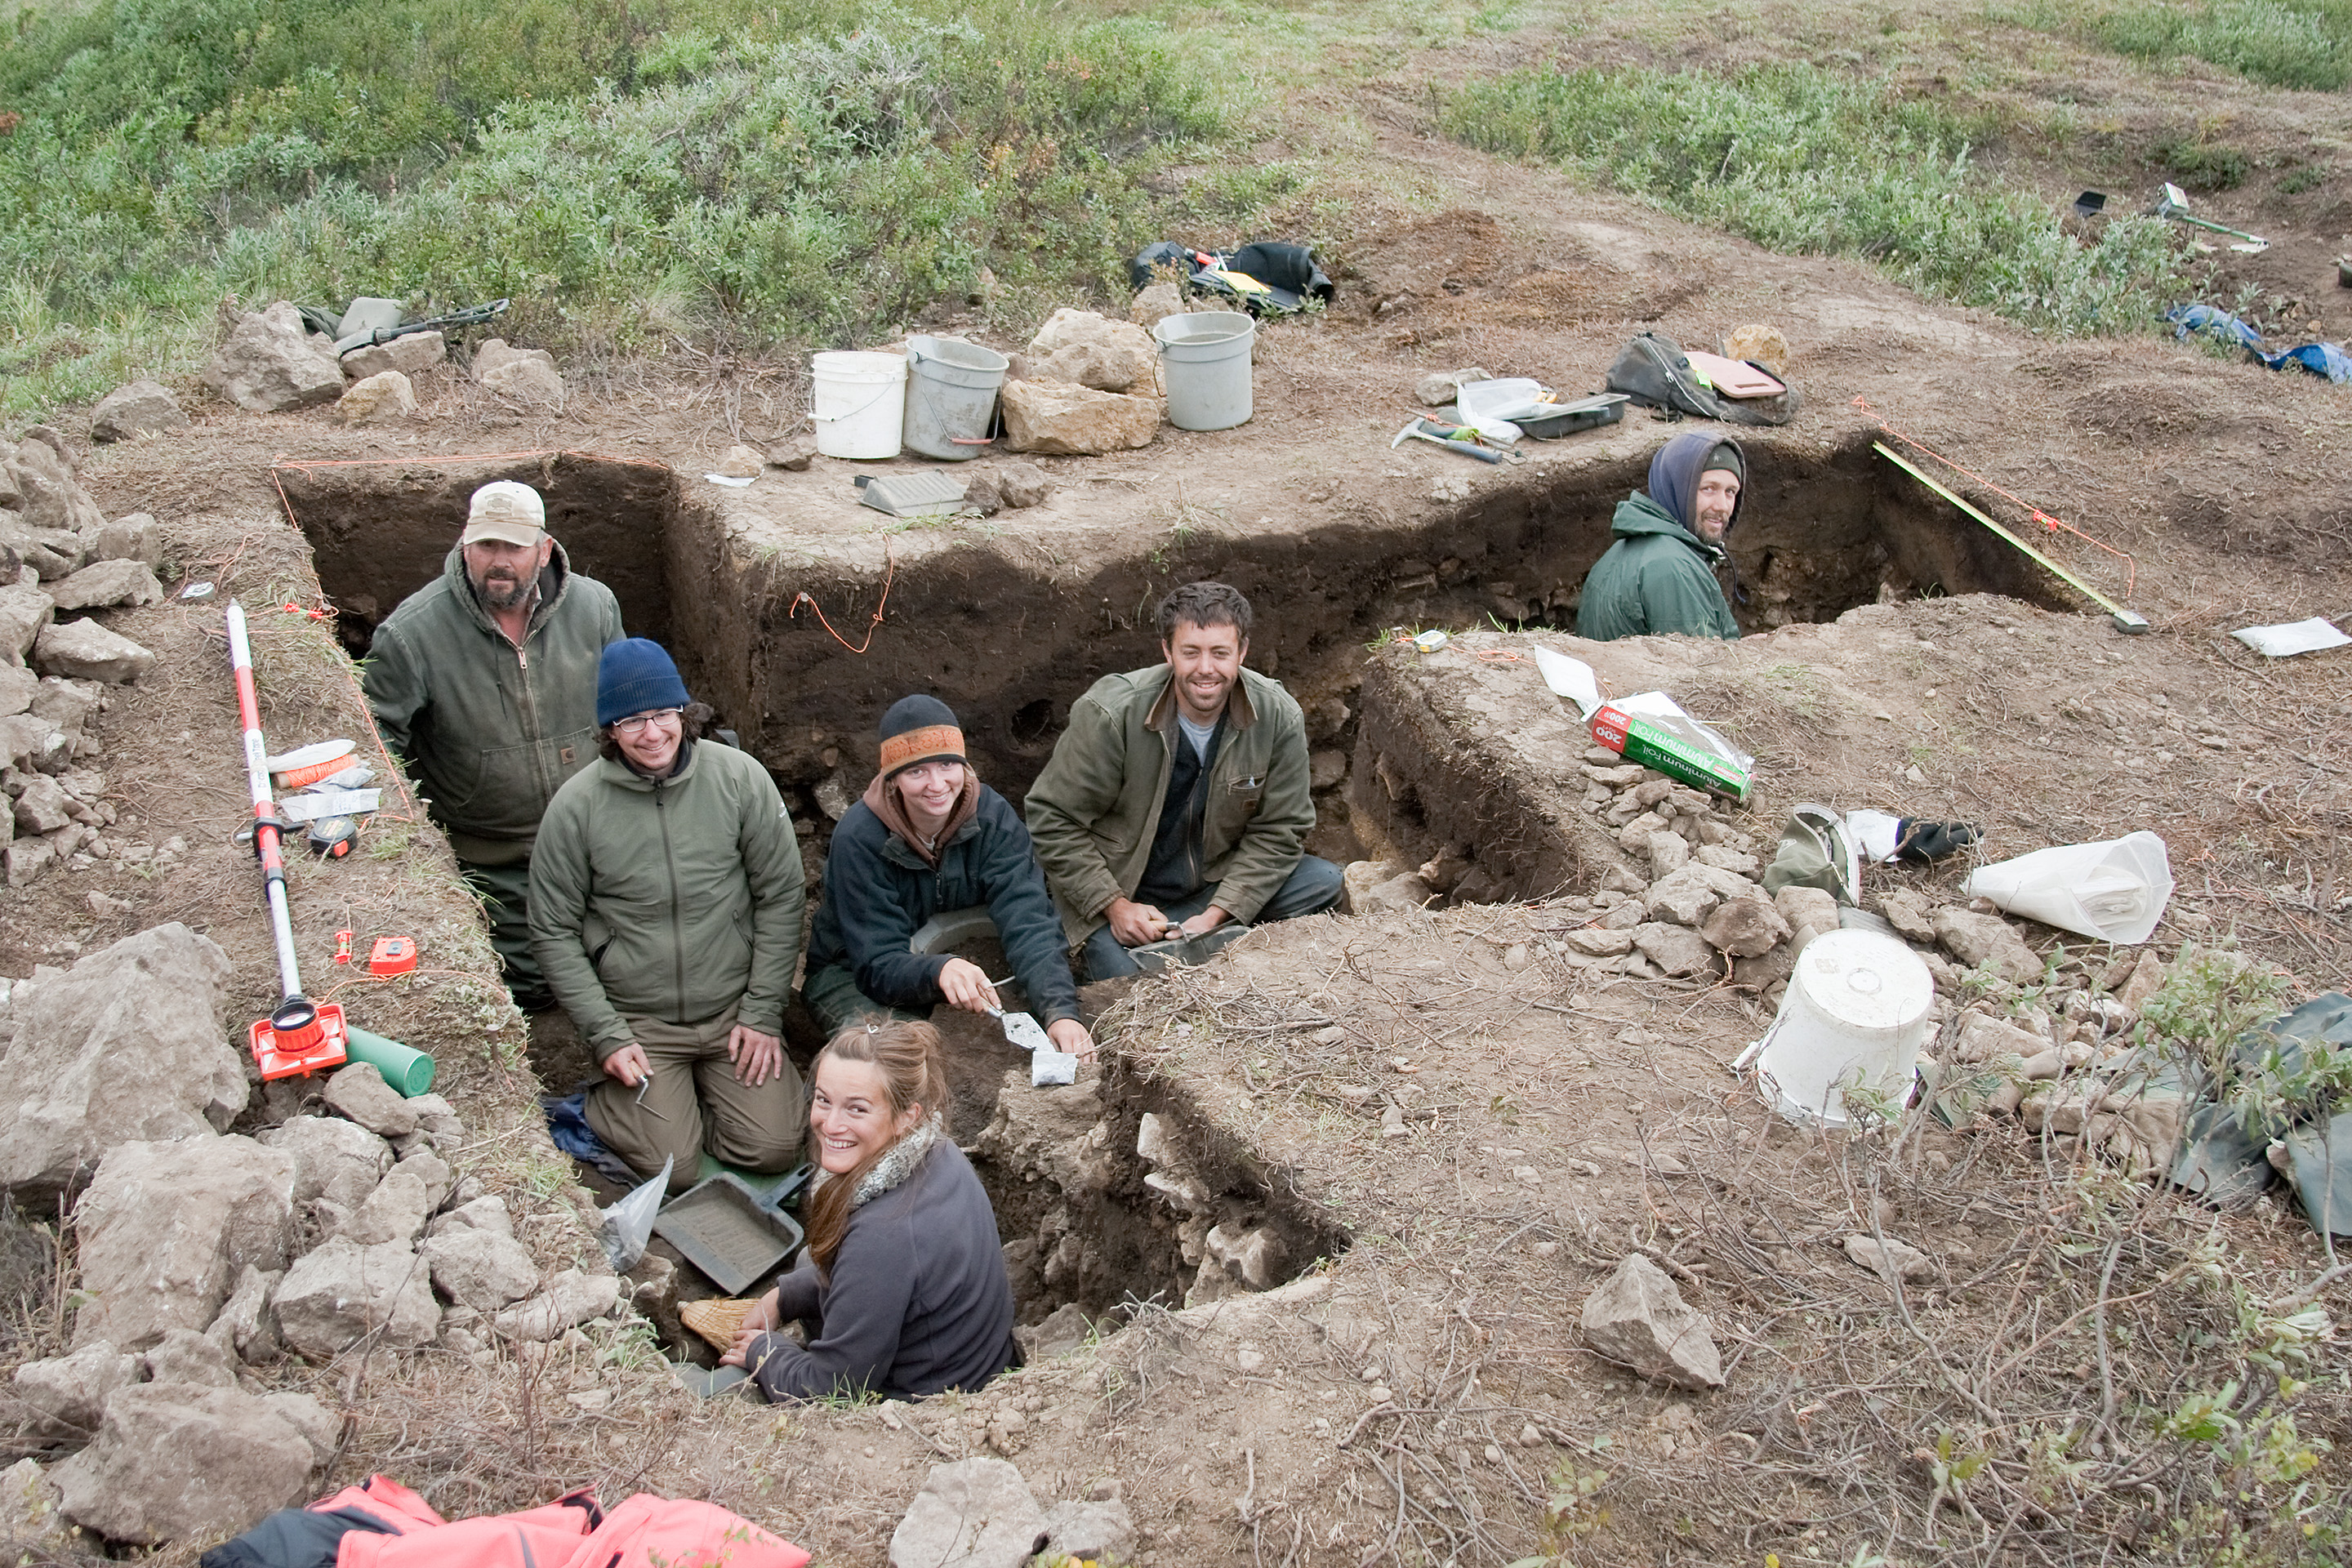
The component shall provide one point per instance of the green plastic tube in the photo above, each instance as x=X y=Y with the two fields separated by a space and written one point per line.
x=409 y=1072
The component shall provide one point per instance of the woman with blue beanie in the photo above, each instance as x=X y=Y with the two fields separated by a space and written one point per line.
x=665 y=904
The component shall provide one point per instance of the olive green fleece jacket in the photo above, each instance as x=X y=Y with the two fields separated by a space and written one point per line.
x=1658 y=577
x=491 y=730
x=1094 y=809
x=673 y=899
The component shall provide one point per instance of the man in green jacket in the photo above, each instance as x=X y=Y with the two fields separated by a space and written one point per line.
x=666 y=902
x=484 y=685
x=1659 y=576
x=1178 y=799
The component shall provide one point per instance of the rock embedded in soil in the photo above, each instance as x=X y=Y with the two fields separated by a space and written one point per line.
x=973 y=1514
x=270 y=364
x=130 y=1044
x=2146 y=978
x=30 y=1515
x=1596 y=941
x=108 y=584
x=1669 y=853
x=341 y=1291
x=572 y=1297
x=244 y=1326
x=395 y=1212
x=527 y=375
x=173 y=1462
x=480 y=1268
x=1022 y=485
x=1091 y=1531
x=84 y=651
x=1890 y=1258
x=166 y=1228
x=1637 y=1318
x=141 y=407
x=1062 y=420
x=1988 y=942
x=1437 y=390
x=134 y=536
x=411 y=354
x=742 y=462
x=387 y=398
x=1913 y=917
x=486 y=1213
x=1155 y=304
x=187 y=1356
x=359 y=1092
x=1745 y=928
x=1094 y=351
x=1676 y=950
x=24 y=613
x=1982 y=1039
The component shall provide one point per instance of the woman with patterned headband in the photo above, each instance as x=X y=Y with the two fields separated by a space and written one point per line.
x=929 y=837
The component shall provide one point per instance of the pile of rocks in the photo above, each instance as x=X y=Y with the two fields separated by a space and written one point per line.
x=205 y=1255
x=59 y=556
x=271 y=361
x=1086 y=384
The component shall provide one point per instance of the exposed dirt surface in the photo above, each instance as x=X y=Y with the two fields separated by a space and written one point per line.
x=1417 y=1390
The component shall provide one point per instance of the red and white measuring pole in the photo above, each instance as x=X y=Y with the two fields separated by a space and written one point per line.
x=301 y=1036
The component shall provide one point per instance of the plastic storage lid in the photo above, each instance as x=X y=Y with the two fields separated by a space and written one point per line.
x=1865 y=981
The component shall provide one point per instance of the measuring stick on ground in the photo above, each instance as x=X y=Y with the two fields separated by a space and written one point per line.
x=2127 y=620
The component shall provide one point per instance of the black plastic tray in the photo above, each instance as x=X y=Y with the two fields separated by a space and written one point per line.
x=1585 y=413
x=722 y=1229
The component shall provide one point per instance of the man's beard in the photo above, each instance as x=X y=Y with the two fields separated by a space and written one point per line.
x=502 y=592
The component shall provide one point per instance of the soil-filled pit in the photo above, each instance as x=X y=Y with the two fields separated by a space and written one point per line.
x=1010 y=619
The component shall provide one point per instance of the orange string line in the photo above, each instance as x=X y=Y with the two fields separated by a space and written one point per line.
x=2050 y=524
x=890 y=572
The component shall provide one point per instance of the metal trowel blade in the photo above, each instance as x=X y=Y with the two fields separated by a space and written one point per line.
x=1023 y=1031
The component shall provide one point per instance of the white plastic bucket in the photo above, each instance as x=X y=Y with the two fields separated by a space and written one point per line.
x=859 y=401
x=1204 y=358
x=2113 y=891
x=951 y=389
x=1855 y=1014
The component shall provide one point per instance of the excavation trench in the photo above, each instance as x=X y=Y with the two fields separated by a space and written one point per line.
x=1009 y=632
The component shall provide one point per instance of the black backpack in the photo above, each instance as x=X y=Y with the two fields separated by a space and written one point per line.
x=1654 y=371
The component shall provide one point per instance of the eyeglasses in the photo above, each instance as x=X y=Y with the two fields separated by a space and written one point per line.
x=634 y=724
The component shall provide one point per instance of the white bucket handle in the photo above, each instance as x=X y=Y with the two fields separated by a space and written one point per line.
x=887 y=389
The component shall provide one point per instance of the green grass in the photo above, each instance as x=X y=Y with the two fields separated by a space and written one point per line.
x=626 y=169
x=2280 y=43
x=1804 y=161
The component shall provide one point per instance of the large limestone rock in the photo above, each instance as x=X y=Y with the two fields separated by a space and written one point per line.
x=527 y=375
x=1986 y=942
x=1063 y=420
x=137 y=408
x=1691 y=893
x=342 y=1291
x=359 y=1092
x=396 y=1211
x=571 y=1298
x=128 y=1045
x=334 y=1159
x=1093 y=350
x=269 y=365
x=383 y=398
x=30 y=1514
x=166 y=1229
x=84 y=651
x=61 y=1400
x=1676 y=950
x=39 y=489
x=25 y=612
x=974 y=1514
x=1746 y=927
x=480 y=1268
x=1637 y=1318
x=134 y=536
x=1094 y=1532
x=173 y=1462
x=411 y=354
x=108 y=584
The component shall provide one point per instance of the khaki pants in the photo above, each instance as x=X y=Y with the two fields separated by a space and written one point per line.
x=695 y=1102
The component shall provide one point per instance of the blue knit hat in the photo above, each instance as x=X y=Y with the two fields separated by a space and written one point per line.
x=634 y=676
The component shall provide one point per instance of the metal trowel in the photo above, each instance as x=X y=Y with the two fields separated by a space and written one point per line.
x=1048 y=1064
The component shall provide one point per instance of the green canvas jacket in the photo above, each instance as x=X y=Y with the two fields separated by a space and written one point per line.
x=1093 y=810
x=1657 y=577
x=673 y=899
x=488 y=730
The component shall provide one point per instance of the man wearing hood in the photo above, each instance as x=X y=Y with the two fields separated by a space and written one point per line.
x=929 y=837
x=1659 y=576
x=483 y=683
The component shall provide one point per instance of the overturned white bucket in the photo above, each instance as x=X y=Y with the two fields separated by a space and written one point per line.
x=2114 y=890
x=859 y=403
x=1853 y=1020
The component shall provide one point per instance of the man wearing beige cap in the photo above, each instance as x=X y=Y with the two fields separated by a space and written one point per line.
x=484 y=686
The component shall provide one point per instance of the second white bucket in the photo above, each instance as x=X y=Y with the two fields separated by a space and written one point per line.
x=1204 y=359
x=859 y=403
x=1854 y=1016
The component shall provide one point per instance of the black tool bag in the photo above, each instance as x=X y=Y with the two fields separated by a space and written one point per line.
x=1288 y=271
x=1653 y=371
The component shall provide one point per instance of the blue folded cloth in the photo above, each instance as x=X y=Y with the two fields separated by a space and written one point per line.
x=567 y=1123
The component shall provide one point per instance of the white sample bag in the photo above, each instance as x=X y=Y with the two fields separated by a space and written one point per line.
x=2113 y=891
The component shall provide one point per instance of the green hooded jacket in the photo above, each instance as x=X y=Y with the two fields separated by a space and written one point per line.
x=491 y=730
x=673 y=899
x=1094 y=809
x=1657 y=577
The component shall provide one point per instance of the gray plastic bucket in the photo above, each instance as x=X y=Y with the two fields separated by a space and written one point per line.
x=951 y=389
x=1204 y=359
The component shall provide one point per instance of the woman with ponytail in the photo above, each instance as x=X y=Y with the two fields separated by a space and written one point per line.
x=902 y=1291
